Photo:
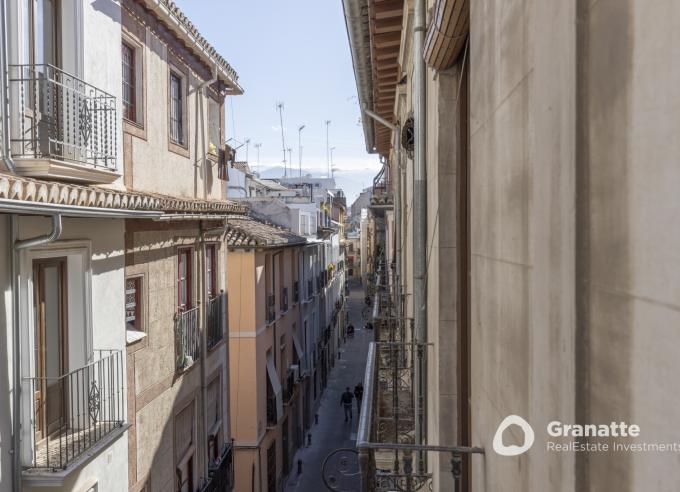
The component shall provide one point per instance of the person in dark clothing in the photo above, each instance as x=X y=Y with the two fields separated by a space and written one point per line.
x=346 y=402
x=358 y=395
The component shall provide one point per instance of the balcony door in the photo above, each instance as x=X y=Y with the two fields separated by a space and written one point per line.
x=42 y=32
x=50 y=344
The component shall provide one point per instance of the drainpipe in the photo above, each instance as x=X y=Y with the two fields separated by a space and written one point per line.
x=15 y=246
x=420 y=222
x=4 y=86
x=397 y=204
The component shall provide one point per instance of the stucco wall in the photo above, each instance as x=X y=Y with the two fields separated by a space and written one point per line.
x=156 y=168
x=522 y=105
x=628 y=201
x=157 y=389
x=103 y=239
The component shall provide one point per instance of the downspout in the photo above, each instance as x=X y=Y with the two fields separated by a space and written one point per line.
x=420 y=224
x=4 y=86
x=397 y=205
x=15 y=246
x=203 y=303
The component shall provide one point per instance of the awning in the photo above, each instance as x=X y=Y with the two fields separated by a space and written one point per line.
x=276 y=386
x=447 y=33
x=300 y=353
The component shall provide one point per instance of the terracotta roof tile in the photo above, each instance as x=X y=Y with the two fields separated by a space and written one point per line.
x=244 y=231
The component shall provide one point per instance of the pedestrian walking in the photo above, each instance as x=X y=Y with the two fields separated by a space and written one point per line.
x=358 y=395
x=346 y=402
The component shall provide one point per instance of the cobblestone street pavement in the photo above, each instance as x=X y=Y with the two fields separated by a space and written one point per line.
x=332 y=432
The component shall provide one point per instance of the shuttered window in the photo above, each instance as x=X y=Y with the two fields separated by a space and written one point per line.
x=176 y=109
x=129 y=83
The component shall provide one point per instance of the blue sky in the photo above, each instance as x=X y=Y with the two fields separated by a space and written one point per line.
x=294 y=51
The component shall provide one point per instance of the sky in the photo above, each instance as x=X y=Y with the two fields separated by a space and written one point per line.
x=295 y=52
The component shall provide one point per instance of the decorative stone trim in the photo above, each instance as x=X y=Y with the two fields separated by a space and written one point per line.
x=25 y=189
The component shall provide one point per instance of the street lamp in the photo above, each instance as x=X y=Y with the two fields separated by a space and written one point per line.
x=257 y=146
x=300 y=128
x=328 y=157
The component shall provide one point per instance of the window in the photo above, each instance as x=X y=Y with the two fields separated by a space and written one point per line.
x=133 y=303
x=185 y=449
x=184 y=299
x=129 y=83
x=176 y=109
x=214 y=400
x=211 y=270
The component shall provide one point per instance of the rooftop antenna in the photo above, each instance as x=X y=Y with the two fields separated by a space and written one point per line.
x=247 y=148
x=300 y=128
x=283 y=139
x=290 y=159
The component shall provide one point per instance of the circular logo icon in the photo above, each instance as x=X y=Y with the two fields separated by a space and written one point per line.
x=513 y=450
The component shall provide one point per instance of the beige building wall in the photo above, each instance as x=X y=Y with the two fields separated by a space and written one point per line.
x=251 y=338
x=157 y=392
x=152 y=161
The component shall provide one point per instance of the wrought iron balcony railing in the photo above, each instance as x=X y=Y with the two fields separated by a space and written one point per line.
x=215 y=319
x=187 y=340
x=62 y=117
x=271 y=308
x=221 y=473
x=75 y=412
x=390 y=459
x=382 y=189
x=289 y=387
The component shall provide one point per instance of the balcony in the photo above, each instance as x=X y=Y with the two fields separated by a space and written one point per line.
x=296 y=292
x=215 y=317
x=271 y=308
x=221 y=473
x=271 y=411
x=289 y=387
x=284 y=299
x=75 y=414
x=382 y=197
x=187 y=339
x=63 y=127
x=390 y=458
x=310 y=289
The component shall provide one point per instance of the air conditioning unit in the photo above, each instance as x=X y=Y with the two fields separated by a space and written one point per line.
x=295 y=368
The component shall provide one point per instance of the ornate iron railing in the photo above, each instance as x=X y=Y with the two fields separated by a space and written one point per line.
x=187 y=339
x=62 y=117
x=75 y=412
x=221 y=473
x=389 y=457
x=382 y=188
x=289 y=387
x=215 y=322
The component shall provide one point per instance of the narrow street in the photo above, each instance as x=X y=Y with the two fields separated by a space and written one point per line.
x=332 y=432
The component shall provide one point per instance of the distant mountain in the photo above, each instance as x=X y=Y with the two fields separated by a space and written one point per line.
x=351 y=182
